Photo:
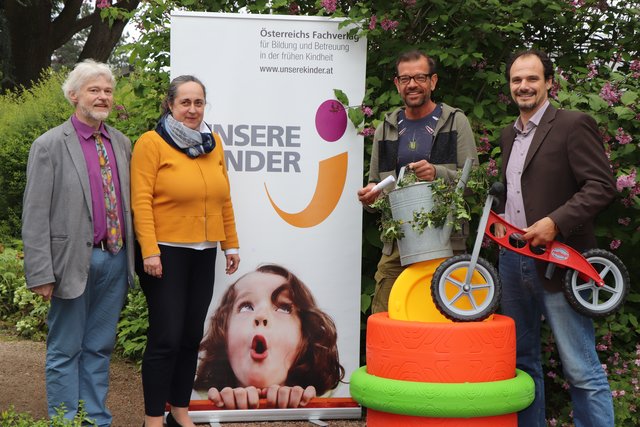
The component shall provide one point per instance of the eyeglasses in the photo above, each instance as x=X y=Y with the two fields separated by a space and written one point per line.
x=418 y=78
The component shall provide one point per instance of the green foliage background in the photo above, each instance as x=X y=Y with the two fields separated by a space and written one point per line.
x=594 y=44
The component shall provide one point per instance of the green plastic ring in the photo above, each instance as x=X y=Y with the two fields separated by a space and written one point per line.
x=442 y=400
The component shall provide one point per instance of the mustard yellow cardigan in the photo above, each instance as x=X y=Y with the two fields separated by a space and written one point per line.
x=178 y=199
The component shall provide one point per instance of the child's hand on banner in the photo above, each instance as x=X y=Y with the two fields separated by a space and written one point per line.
x=235 y=398
x=288 y=397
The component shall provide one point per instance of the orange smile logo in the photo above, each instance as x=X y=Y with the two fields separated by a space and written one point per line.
x=331 y=124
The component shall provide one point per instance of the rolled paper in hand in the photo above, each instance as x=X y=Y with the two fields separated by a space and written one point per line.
x=390 y=180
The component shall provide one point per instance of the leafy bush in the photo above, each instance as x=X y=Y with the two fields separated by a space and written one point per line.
x=27 y=312
x=11 y=418
x=132 y=328
x=23 y=117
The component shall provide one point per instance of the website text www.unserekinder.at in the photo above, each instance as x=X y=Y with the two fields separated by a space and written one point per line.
x=295 y=70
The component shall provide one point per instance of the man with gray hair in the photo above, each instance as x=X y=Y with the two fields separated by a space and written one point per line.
x=78 y=241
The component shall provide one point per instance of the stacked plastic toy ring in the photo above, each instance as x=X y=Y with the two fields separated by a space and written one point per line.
x=424 y=370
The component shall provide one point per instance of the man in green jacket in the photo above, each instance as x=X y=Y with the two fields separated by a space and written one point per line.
x=432 y=139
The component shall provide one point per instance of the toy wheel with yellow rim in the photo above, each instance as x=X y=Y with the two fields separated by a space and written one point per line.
x=466 y=302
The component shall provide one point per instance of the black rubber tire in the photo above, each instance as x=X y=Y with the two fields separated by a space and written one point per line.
x=580 y=295
x=443 y=277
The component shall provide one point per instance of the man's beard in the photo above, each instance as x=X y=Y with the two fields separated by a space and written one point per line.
x=95 y=115
x=416 y=102
x=527 y=105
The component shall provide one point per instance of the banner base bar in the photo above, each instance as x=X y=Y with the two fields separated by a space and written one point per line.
x=312 y=415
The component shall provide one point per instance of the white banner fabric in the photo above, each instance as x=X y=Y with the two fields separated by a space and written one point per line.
x=294 y=160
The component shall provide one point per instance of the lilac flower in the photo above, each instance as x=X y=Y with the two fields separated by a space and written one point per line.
x=553 y=92
x=593 y=70
x=626 y=181
x=329 y=5
x=504 y=99
x=615 y=244
x=553 y=422
x=577 y=3
x=101 y=4
x=610 y=94
x=635 y=67
x=479 y=65
x=372 y=22
x=560 y=72
x=409 y=3
x=388 y=24
x=601 y=347
x=483 y=144
x=367 y=111
x=492 y=169
x=294 y=9
x=622 y=137
x=368 y=131
x=552 y=374
x=624 y=221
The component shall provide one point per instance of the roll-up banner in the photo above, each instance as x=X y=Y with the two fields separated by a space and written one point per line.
x=290 y=316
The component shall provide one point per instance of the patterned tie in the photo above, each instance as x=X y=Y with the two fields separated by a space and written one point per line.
x=114 y=237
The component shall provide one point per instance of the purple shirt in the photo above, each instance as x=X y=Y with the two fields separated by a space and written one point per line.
x=514 y=209
x=88 y=145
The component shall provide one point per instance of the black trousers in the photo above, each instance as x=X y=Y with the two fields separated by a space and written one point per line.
x=178 y=304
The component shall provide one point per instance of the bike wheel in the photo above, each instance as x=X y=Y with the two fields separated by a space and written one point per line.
x=591 y=300
x=465 y=302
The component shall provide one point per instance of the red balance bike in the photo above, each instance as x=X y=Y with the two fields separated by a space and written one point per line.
x=467 y=288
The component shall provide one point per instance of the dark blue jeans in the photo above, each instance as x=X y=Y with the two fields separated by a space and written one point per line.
x=525 y=300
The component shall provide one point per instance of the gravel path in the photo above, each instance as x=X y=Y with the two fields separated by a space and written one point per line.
x=22 y=385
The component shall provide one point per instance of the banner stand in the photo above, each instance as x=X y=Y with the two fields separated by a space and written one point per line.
x=294 y=163
x=290 y=414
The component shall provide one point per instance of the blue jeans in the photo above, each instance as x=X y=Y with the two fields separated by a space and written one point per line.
x=525 y=300
x=81 y=337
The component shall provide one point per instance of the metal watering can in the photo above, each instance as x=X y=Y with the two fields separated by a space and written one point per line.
x=433 y=242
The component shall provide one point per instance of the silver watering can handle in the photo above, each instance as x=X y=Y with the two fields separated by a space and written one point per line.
x=401 y=173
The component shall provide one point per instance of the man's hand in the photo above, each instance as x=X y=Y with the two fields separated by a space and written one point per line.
x=233 y=261
x=288 y=397
x=368 y=195
x=423 y=170
x=541 y=232
x=45 y=291
x=499 y=230
x=235 y=398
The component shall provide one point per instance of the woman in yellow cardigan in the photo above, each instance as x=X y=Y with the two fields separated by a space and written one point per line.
x=182 y=208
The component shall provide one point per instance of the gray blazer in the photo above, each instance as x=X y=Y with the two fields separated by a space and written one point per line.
x=57 y=227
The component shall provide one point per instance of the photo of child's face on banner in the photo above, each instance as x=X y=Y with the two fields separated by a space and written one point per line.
x=268 y=337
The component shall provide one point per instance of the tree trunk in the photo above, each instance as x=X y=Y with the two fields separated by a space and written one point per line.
x=102 y=38
x=34 y=36
x=29 y=24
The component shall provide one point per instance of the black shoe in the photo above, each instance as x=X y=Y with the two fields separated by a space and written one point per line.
x=171 y=422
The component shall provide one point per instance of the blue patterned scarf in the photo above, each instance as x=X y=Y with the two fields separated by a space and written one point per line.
x=189 y=141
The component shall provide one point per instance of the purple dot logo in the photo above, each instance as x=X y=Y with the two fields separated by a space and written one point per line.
x=331 y=120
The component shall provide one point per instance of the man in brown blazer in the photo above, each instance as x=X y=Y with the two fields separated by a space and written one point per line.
x=558 y=179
